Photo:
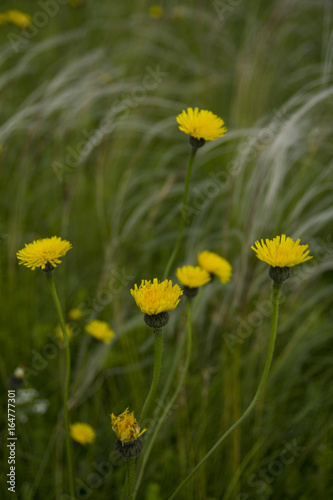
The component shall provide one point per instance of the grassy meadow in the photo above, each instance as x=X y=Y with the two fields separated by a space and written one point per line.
x=91 y=152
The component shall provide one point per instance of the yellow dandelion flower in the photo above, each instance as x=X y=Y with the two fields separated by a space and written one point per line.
x=19 y=18
x=281 y=251
x=82 y=433
x=44 y=253
x=192 y=277
x=100 y=330
x=202 y=125
x=216 y=265
x=75 y=314
x=156 y=11
x=126 y=426
x=155 y=298
x=59 y=333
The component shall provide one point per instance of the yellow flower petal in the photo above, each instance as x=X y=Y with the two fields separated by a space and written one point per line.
x=59 y=333
x=75 y=314
x=201 y=124
x=44 y=251
x=192 y=277
x=100 y=330
x=154 y=298
x=19 y=18
x=82 y=433
x=214 y=264
x=156 y=11
x=281 y=251
x=126 y=426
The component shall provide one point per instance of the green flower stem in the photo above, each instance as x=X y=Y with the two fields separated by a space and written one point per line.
x=130 y=477
x=275 y=300
x=68 y=374
x=156 y=375
x=183 y=215
x=169 y=406
x=123 y=495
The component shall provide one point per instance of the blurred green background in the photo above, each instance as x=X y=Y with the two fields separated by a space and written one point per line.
x=91 y=151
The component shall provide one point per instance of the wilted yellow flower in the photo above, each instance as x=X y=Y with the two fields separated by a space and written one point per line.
x=192 y=277
x=281 y=251
x=201 y=124
x=216 y=265
x=18 y=18
x=126 y=426
x=82 y=433
x=39 y=253
x=59 y=333
x=156 y=11
x=75 y=314
x=155 y=298
x=100 y=330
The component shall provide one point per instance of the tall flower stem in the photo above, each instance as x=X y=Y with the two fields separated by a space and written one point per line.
x=156 y=374
x=183 y=214
x=130 y=477
x=275 y=301
x=67 y=379
x=173 y=398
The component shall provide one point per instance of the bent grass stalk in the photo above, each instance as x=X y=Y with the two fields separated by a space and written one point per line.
x=275 y=301
x=67 y=379
x=168 y=408
x=183 y=214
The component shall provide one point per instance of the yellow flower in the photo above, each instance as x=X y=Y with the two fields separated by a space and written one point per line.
x=18 y=18
x=156 y=11
x=75 y=314
x=192 y=277
x=155 y=298
x=201 y=124
x=214 y=264
x=69 y=331
x=82 y=433
x=42 y=252
x=126 y=426
x=281 y=251
x=100 y=330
